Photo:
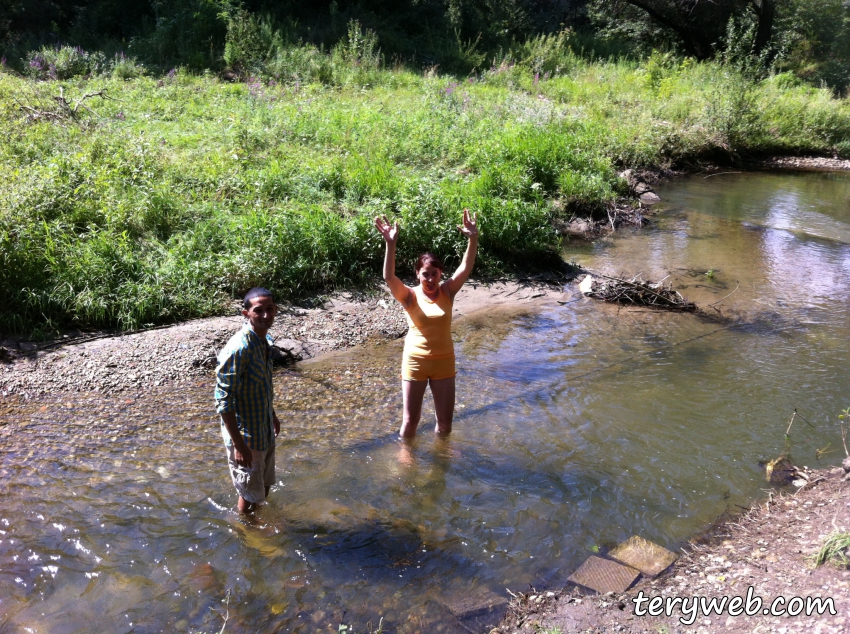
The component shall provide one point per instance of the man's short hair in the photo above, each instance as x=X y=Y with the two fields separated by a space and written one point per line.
x=257 y=291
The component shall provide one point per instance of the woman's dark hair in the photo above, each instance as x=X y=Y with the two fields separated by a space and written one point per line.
x=428 y=259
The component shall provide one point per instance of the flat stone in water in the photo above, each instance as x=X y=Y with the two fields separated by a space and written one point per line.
x=648 y=557
x=604 y=575
x=649 y=198
x=479 y=611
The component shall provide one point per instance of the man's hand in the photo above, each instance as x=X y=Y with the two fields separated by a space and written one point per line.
x=244 y=457
x=241 y=452
x=276 y=421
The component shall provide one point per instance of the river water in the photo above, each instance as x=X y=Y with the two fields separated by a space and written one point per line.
x=578 y=425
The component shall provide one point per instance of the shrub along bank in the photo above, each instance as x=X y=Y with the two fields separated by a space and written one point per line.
x=160 y=198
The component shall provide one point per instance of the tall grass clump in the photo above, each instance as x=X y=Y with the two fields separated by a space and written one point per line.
x=834 y=549
x=255 y=47
x=67 y=62
x=178 y=193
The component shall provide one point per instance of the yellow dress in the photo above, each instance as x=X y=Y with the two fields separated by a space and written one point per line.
x=428 y=348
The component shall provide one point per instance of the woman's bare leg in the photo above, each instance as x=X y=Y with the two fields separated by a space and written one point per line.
x=412 y=393
x=444 y=403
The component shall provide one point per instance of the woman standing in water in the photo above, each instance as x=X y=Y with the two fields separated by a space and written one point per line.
x=429 y=356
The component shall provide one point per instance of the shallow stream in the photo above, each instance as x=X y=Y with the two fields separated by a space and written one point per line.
x=578 y=425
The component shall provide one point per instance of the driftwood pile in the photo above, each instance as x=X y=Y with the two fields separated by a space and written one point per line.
x=634 y=291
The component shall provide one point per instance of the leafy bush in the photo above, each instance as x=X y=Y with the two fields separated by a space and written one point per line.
x=63 y=62
x=251 y=41
x=816 y=37
x=546 y=54
x=359 y=49
x=124 y=67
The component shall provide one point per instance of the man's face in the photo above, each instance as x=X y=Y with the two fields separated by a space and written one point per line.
x=261 y=314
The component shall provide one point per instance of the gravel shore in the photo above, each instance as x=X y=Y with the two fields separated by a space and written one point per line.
x=803 y=162
x=110 y=363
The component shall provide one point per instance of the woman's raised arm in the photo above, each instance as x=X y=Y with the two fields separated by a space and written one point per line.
x=390 y=234
x=469 y=228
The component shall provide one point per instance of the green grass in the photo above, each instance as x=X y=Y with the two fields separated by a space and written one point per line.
x=181 y=192
x=834 y=549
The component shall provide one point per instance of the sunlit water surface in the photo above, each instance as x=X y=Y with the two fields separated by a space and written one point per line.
x=577 y=426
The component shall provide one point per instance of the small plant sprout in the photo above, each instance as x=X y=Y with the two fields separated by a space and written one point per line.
x=843 y=415
x=710 y=273
x=788 y=431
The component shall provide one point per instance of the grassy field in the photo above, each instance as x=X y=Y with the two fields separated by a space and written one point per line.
x=174 y=194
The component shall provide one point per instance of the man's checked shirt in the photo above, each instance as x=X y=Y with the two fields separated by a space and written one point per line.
x=244 y=385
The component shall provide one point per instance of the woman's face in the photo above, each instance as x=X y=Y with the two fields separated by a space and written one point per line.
x=429 y=277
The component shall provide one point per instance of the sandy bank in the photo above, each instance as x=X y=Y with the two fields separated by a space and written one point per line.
x=117 y=362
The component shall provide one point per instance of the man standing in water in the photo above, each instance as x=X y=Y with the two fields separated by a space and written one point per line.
x=244 y=397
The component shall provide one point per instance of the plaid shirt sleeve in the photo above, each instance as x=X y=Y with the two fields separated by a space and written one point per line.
x=231 y=366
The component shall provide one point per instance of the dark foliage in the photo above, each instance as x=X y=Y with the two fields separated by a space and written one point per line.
x=167 y=33
x=700 y=25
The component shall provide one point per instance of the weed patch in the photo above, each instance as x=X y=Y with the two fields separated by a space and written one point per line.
x=178 y=193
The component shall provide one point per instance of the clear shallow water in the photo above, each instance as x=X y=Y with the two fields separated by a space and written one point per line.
x=577 y=426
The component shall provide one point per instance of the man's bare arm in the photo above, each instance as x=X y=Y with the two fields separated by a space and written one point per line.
x=241 y=451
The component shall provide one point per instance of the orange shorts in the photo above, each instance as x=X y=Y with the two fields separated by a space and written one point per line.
x=424 y=368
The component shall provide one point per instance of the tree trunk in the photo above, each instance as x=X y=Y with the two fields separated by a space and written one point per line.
x=766 y=13
x=696 y=40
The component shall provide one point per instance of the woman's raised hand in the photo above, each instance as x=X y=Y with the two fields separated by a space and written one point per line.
x=469 y=228
x=389 y=231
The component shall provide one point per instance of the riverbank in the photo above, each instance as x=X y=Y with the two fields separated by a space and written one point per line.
x=769 y=548
x=162 y=199
x=111 y=363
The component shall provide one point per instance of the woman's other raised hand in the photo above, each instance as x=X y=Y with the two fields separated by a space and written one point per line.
x=389 y=231
x=469 y=228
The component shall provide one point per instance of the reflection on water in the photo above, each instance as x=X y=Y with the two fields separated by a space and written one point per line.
x=576 y=427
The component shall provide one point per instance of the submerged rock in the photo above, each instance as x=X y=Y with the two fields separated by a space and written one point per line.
x=604 y=575
x=781 y=471
x=644 y=555
x=649 y=198
x=478 y=611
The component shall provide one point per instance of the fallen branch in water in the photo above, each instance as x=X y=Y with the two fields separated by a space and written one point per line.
x=729 y=295
x=226 y=615
x=634 y=291
x=721 y=174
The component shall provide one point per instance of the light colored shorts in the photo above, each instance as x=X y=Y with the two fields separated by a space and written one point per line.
x=251 y=483
x=424 y=368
